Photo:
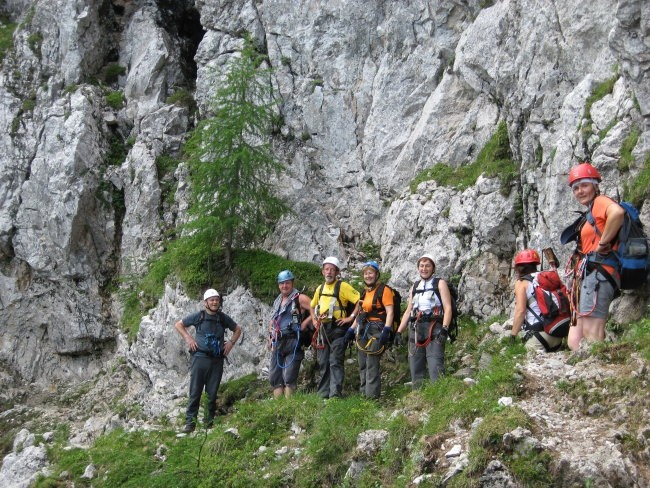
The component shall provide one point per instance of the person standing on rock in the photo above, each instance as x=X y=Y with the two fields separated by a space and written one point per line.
x=429 y=313
x=596 y=284
x=373 y=328
x=330 y=314
x=289 y=325
x=208 y=350
x=527 y=312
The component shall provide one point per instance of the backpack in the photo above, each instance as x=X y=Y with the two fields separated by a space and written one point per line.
x=552 y=298
x=453 y=291
x=348 y=309
x=212 y=343
x=632 y=258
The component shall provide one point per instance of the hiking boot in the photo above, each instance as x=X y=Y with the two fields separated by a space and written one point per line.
x=188 y=428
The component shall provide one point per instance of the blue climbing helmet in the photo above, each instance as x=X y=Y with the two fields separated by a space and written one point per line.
x=371 y=264
x=285 y=275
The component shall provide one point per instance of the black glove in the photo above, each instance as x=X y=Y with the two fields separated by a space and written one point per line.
x=441 y=334
x=513 y=339
x=399 y=340
x=385 y=335
x=349 y=335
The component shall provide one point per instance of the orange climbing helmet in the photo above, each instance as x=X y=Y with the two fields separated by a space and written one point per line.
x=527 y=256
x=582 y=171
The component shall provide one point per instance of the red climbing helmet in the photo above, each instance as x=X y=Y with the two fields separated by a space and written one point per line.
x=527 y=256
x=583 y=170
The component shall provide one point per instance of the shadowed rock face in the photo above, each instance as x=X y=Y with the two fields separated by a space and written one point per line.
x=372 y=93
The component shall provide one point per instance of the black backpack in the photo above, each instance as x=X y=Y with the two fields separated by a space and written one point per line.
x=453 y=291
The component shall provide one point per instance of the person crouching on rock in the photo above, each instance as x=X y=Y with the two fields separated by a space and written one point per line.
x=527 y=312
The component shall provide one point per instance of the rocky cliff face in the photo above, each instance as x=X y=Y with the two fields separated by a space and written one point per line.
x=372 y=93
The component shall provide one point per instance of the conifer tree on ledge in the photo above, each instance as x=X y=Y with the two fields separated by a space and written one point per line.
x=230 y=159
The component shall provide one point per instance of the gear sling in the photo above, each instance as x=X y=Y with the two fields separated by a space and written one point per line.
x=378 y=311
x=278 y=336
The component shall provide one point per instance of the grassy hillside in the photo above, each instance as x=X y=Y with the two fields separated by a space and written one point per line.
x=305 y=441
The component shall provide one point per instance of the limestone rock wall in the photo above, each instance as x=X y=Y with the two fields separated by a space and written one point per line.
x=372 y=93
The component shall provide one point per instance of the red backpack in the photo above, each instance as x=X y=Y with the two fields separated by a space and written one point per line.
x=552 y=299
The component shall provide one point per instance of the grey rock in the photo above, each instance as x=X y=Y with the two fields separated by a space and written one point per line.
x=496 y=475
x=24 y=464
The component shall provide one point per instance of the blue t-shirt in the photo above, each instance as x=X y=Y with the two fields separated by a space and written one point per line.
x=210 y=331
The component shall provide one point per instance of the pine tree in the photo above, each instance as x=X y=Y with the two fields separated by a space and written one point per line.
x=230 y=159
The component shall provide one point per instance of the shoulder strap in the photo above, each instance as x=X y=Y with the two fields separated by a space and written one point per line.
x=590 y=217
x=379 y=293
x=198 y=323
x=414 y=287
x=337 y=290
x=296 y=301
x=436 y=290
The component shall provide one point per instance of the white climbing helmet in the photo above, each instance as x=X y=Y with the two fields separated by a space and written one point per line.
x=209 y=293
x=332 y=260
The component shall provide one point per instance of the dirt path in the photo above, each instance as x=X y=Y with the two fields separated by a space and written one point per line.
x=599 y=433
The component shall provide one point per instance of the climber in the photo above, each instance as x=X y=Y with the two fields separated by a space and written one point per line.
x=595 y=284
x=289 y=323
x=429 y=311
x=208 y=351
x=527 y=312
x=331 y=311
x=373 y=328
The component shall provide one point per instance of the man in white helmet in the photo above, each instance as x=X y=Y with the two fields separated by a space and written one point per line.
x=331 y=312
x=208 y=351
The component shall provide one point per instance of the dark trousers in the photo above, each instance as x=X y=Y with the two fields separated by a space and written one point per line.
x=331 y=366
x=206 y=373
x=369 y=372
x=426 y=361
x=285 y=363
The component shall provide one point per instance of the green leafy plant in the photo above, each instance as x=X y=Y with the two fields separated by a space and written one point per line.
x=629 y=143
x=7 y=29
x=111 y=72
x=494 y=160
x=183 y=98
x=638 y=190
x=599 y=92
x=34 y=42
x=115 y=99
x=231 y=163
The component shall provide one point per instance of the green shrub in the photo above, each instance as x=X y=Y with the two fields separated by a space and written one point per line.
x=599 y=92
x=111 y=72
x=638 y=191
x=7 y=29
x=116 y=151
x=183 y=98
x=34 y=42
x=494 y=160
x=629 y=143
x=115 y=99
